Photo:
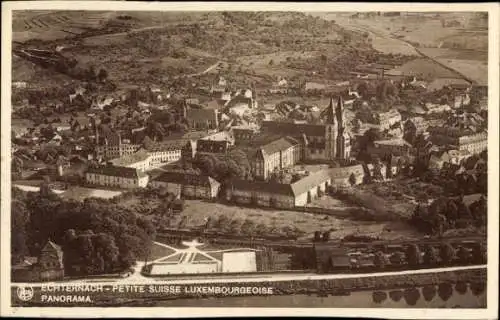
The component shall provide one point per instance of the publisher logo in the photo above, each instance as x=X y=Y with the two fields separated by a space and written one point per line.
x=25 y=293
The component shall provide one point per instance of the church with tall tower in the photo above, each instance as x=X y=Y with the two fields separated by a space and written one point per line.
x=338 y=138
x=327 y=141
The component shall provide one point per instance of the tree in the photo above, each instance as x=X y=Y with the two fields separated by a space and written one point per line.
x=222 y=222
x=317 y=236
x=352 y=179
x=463 y=255
x=440 y=223
x=271 y=62
x=397 y=258
x=413 y=255
x=478 y=253
x=326 y=236
x=102 y=75
x=446 y=253
x=430 y=255
x=380 y=260
x=248 y=227
x=19 y=220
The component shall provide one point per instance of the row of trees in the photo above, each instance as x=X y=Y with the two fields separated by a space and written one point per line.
x=449 y=213
x=445 y=254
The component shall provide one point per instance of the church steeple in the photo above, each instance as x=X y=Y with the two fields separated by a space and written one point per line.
x=339 y=111
x=330 y=113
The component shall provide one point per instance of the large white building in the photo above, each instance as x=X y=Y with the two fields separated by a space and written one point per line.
x=474 y=143
x=165 y=152
x=118 y=177
x=140 y=160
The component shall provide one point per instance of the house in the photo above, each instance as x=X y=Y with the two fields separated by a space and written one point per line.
x=48 y=266
x=313 y=86
x=19 y=84
x=202 y=119
x=188 y=185
x=436 y=108
x=244 y=134
x=165 y=152
x=275 y=156
x=100 y=102
x=242 y=101
x=419 y=123
x=347 y=176
x=216 y=104
x=387 y=119
x=461 y=100
x=114 y=146
x=112 y=176
x=212 y=146
x=140 y=160
x=279 y=195
x=474 y=143
x=385 y=148
x=281 y=86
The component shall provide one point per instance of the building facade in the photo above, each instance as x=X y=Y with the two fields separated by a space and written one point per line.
x=202 y=119
x=387 y=119
x=276 y=155
x=113 y=147
x=188 y=185
x=140 y=160
x=119 y=177
x=475 y=143
x=279 y=195
x=386 y=148
x=165 y=152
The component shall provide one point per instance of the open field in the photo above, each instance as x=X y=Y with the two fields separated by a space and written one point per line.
x=474 y=70
x=196 y=211
x=425 y=68
x=456 y=54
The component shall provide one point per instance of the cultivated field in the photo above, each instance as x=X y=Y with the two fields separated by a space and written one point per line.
x=474 y=70
x=425 y=68
x=456 y=54
x=45 y=25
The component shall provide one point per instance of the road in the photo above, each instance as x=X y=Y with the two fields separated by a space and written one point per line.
x=207 y=70
x=137 y=278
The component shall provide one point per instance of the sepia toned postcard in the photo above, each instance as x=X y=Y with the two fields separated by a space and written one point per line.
x=235 y=159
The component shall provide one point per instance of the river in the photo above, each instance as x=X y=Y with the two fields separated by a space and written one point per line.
x=461 y=295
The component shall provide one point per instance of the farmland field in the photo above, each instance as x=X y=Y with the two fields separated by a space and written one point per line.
x=444 y=53
x=50 y=25
x=474 y=70
x=426 y=68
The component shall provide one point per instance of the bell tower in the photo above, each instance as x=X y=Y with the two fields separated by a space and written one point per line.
x=331 y=131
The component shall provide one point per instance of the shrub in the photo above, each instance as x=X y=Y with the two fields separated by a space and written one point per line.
x=446 y=253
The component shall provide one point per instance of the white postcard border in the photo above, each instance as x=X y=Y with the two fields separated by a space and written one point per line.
x=493 y=221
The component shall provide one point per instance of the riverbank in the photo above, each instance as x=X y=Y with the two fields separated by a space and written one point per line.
x=123 y=295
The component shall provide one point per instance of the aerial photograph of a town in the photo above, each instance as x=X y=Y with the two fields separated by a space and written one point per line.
x=249 y=159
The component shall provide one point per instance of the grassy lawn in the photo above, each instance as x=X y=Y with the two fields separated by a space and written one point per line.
x=81 y=193
x=158 y=252
x=196 y=211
